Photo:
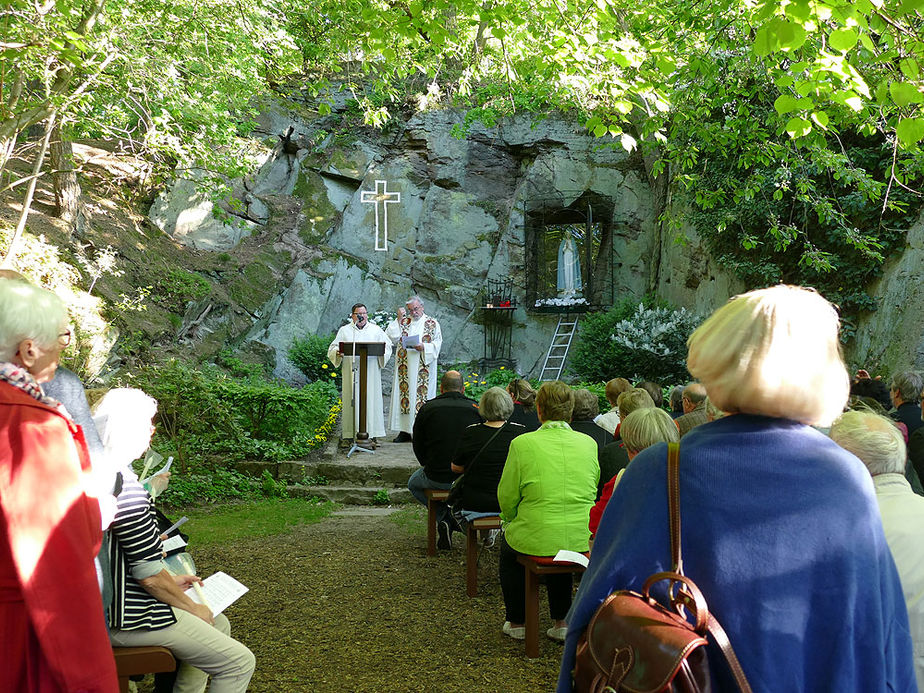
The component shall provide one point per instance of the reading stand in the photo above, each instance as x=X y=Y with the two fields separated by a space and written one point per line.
x=362 y=350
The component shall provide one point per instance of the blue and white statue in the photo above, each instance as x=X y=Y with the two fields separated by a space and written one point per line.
x=569 y=268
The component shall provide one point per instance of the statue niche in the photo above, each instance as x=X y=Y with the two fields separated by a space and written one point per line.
x=569 y=255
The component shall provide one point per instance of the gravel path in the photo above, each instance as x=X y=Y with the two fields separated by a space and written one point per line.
x=354 y=604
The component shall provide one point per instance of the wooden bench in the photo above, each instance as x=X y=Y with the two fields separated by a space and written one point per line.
x=537 y=566
x=134 y=661
x=434 y=496
x=472 y=550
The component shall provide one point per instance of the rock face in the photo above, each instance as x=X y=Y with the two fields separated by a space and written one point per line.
x=892 y=338
x=473 y=210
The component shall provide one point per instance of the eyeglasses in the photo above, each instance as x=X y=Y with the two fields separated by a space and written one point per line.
x=64 y=339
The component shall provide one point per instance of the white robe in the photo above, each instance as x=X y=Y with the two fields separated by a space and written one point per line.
x=399 y=420
x=375 y=405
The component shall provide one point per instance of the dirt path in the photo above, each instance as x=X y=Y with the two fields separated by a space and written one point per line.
x=354 y=604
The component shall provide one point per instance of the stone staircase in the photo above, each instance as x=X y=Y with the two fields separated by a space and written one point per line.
x=363 y=479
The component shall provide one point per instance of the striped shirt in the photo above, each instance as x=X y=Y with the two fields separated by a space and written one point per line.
x=135 y=542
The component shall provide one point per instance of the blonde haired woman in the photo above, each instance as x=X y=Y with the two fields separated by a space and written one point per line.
x=781 y=531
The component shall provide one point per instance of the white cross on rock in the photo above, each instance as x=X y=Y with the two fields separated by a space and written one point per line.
x=380 y=194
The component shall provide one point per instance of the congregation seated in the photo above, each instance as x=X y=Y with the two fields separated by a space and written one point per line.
x=524 y=403
x=781 y=529
x=482 y=451
x=545 y=493
x=150 y=605
x=586 y=409
x=438 y=428
x=613 y=458
x=610 y=420
x=879 y=445
x=694 y=408
x=640 y=429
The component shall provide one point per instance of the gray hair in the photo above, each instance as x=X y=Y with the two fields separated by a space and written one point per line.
x=414 y=299
x=647 y=426
x=28 y=312
x=908 y=385
x=586 y=405
x=875 y=439
x=495 y=404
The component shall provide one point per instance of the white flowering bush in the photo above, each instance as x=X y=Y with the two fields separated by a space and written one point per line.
x=654 y=343
x=637 y=341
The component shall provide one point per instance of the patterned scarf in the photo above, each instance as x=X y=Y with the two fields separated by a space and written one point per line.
x=21 y=379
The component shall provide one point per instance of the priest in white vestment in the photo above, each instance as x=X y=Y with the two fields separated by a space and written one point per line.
x=361 y=330
x=417 y=339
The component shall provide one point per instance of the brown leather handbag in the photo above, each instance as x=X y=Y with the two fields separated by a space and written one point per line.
x=635 y=644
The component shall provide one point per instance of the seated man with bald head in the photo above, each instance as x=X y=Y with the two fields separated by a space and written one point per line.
x=694 y=408
x=880 y=445
x=438 y=428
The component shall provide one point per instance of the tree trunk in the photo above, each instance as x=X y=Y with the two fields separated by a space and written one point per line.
x=30 y=192
x=64 y=177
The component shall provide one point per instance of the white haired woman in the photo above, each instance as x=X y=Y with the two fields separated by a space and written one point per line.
x=150 y=606
x=51 y=614
x=780 y=526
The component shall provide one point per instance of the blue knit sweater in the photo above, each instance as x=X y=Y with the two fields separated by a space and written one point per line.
x=781 y=532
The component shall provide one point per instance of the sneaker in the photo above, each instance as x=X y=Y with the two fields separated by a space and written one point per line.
x=490 y=538
x=515 y=633
x=444 y=541
x=557 y=633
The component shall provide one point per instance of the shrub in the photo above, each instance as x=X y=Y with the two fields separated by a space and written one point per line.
x=595 y=355
x=309 y=355
x=206 y=418
x=640 y=341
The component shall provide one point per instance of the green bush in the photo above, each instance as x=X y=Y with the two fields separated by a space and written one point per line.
x=310 y=357
x=476 y=382
x=217 y=485
x=207 y=419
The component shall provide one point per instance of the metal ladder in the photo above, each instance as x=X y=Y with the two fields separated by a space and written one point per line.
x=558 y=349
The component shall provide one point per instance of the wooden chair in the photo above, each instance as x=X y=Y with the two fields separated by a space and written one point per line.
x=537 y=566
x=134 y=661
x=472 y=550
x=434 y=496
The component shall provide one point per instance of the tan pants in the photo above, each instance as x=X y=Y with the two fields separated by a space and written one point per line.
x=203 y=651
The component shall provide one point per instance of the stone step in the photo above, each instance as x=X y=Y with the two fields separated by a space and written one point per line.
x=353 y=495
x=366 y=472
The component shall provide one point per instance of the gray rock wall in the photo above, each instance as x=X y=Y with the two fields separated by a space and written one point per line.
x=461 y=221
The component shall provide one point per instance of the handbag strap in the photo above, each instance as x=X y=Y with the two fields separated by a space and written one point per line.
x=719 y=636
x=484 y=447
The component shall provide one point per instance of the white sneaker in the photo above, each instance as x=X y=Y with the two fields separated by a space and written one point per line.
x=557 y=633
x=515 y=633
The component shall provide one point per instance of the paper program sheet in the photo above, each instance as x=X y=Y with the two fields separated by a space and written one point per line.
x=572 y=557
x=221 y=591
x=410 y=341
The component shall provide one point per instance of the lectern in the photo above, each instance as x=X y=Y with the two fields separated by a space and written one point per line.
x=362 y=350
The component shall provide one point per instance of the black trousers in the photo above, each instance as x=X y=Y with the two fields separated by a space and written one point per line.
x=513 y=585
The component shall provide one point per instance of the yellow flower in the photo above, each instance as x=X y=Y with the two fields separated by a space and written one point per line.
x=467 y=383
x=501 y=368
x=333 y=375
x=484 y=382
x=323 y=365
